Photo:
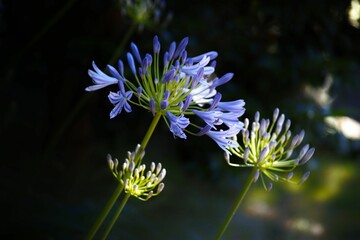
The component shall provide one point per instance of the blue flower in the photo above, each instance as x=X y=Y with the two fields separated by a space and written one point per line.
x=100 y=79
x=224 y=139
x=181 y=87
x=210 y=117
x=232 y=118
x=192 y=70
x=232 y=106
x=119 y=99
x=177 y=124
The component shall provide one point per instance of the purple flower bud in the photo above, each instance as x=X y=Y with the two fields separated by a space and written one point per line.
x=279 y=124
x=146 y=61
x=172 y=50
x=121 y=67
x=246 y=123
x=262 y=128
x=183 y=57
x=256 y=175
x=197 y=78
x=131 y=63
x=269 y=187
x=166 y=94
x=213 y=64
x=215 y=101
x=276 y=177
x=308 y=155
x=139 y=91
x=288 y=154
x=263 y=153
x=302 y=153
x=290 y=175
x=257 y=116
x=181 y=47
x=246 y=154
x=166 y=59
x=156 y=45
x=136 y=52
x=224 y=79
x=288 y=134
x=276 y=114
x=169 y=75
x=164 y=104
x=188 y=100
x=152 y=106
x=294 y=141
x=287 y=125
x=204 y=130
x=301 y=137
x=304 y=177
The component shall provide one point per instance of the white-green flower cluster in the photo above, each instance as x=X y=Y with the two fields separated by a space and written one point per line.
x=136 y=180
x=269 y=147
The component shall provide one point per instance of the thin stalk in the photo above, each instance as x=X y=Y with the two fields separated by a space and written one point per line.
x=122 y=43
x=104 y=212
x=119 y=189
x=148 y=134
x=116 y=215
x=240 y=198
x=76 y=109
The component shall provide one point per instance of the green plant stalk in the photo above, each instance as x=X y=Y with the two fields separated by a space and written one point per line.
x=240 y=198
x=104 y=212
x=124 y=40
x=116 y=215
x=120 y=187
x=76 y=109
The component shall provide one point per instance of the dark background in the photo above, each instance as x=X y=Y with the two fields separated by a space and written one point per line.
x=55 y=136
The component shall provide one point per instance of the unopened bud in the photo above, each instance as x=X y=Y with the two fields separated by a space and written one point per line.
x=308 y=155
x=256 y=175
x=304 y=177
x=276 y=114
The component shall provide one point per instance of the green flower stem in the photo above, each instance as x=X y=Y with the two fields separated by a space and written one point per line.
x=76 y=109
x=240 y=198
x=116 y=215
x=148 y=134
x=120 y=187
x=105 y=212
x=125 y=39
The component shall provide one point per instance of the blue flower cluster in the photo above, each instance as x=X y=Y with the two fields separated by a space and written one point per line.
x=177 y=87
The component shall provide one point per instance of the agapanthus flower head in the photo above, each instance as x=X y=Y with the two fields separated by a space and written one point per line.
x=177 y=87
x=269 y=147
x=136 y=180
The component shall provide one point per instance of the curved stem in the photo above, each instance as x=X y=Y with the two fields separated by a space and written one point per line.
x=240 y=198
x=104 y=212
x=76 y=109
x=125 y=39
x=119 y=189
x=148 y=134
x=116 y=215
